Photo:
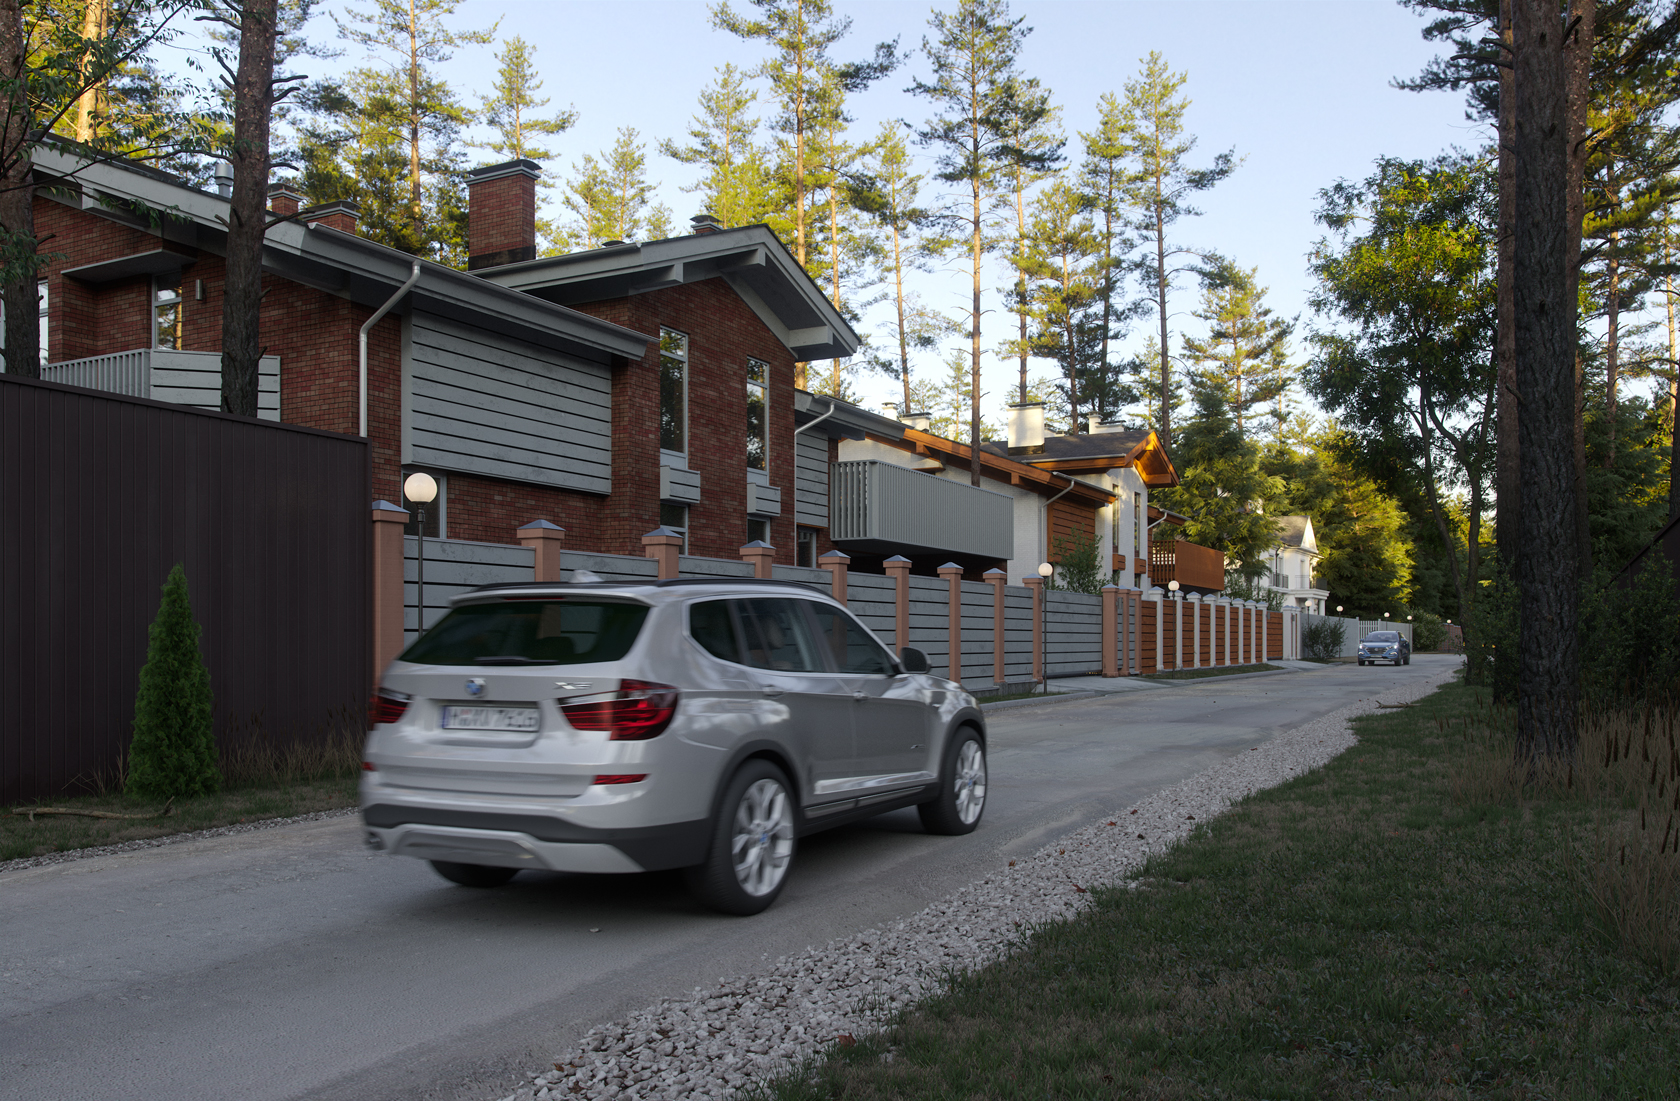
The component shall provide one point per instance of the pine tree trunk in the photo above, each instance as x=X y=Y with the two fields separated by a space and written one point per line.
x=1507 y=495
x=253 y=105
x=1577 y=48
x=91 y=103
x=17 y=202
x=974 y=350
x=898 y=298
x=1161 y=308
x=1613 y=311
x=1545 y=354
x=414 y=125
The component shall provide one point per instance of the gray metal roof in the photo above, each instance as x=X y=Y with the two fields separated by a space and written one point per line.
x=842 y=420
x=1081 y=445
x=751 y=259
x=1291 y=529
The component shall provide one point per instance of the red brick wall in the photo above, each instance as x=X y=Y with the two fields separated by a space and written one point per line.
x=502 y=217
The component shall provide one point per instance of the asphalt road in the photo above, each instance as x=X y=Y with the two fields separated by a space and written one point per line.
x=293 y=963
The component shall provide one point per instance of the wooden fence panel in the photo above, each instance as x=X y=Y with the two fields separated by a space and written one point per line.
x=1147 y=630
x=1274 y=635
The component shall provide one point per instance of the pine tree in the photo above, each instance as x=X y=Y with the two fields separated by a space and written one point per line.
x=1158 y=186
x=173 y=753
x=1035 y=130
x=974 y=88
x=407 y=39
x=612 y=197
x=1144 y=373
x=513 y=111
x=1245 y=355
x=1103 y=175
x=1056 y=254
x=736 y=181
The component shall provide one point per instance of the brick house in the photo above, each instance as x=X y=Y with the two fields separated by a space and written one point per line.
x=610 y=391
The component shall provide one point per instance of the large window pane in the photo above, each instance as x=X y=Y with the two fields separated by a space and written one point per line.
x=853 y=649
x=673 y=391
x=758 y=422
x=710 y=625
x=778 y=637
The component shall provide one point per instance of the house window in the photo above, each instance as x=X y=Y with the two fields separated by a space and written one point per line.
x=1137 y=526
x=675 y=517
x=673 y=391
x=166 y=312
x=758 y=531
x=437 y=526
x=758 y=419
x=805 y=547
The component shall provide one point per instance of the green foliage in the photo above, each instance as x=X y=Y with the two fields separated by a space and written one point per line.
x=1222 y=487
x=173 y=753
x=737 y=182
x=1323 y=639
x=611 y=198
x=1239 y=587
x=1630 y=637
x=1245 y=355
x=513 y=110
x=1429 y=630
x=1492 y=635
x=1078 y=564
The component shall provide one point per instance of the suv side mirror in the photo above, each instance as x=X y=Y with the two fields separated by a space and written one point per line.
x=913 y=660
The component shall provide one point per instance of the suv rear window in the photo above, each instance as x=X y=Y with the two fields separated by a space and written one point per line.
x=531 y=632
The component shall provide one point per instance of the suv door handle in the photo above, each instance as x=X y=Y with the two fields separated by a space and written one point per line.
x=771 y=692
x=860 y=695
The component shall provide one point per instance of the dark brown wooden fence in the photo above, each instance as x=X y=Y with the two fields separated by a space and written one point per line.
x=100 y=495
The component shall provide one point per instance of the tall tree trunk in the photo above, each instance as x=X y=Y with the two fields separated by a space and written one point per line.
x=415 y=212
x=1425 y=429
x=1612 y=336
x=253 y=108
x=1161 y=309
x=974 y=336
x=1549 y=665
x=1578 y=45
x=91 y=103
x=898 y=300
x=17 y=201
x=1507 y=495
x=1673 y=385
x=1021 y=279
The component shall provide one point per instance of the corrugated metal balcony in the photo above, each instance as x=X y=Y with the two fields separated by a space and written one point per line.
x=162 y=374
x=1199 y=569
x=877 y=506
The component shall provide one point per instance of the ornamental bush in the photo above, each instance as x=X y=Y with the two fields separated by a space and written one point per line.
x=173 y=753
x=1323 y=640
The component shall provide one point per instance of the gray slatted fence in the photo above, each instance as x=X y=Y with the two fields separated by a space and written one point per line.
x=1017 y=633
x=871 y=599
x=1074 y=634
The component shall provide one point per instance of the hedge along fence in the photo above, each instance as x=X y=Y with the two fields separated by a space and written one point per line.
x=1152 y=633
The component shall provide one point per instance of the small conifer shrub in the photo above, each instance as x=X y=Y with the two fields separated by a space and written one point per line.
x=173 y=753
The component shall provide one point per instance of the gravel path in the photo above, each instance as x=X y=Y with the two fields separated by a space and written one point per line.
x=748 y=1027
x=170 y=839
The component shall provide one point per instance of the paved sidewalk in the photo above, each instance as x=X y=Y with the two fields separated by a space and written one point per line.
x=1119 y=685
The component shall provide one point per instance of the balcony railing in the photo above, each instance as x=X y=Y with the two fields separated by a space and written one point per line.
x=162 y=374
x=879 y=506
x=1198 y=568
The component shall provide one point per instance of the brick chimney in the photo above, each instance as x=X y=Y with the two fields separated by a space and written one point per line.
x=502 y=214
x=705 y=223
x=282 y=200
x=340 y=215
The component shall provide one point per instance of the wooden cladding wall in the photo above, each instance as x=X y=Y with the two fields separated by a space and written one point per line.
x=1274 y=635
x=1066 y=518
x=490 y=404
x=1169 y=634
x=101 y=495
x=1148 y=632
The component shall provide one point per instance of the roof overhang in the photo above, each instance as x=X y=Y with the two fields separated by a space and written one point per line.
x=842 y=420
x=1028 y=476
x=751 y=259
x=1147 y=457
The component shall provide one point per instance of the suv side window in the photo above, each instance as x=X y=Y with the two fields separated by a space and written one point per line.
x=853 y=648
x=776 y=635
x=710 y=625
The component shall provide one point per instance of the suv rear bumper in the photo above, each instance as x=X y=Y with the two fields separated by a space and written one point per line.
x=532 y=840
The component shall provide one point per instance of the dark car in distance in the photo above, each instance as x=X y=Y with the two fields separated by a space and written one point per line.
x=1385 y=646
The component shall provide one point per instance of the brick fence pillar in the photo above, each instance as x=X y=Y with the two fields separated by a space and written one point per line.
x=663 y=545
x=835 y=562
x=952 y=573
x=388 y=521
x=762 y=556
x=545 y=540
x=898 y=568
x=1036 y=584
x=997 y=579
x=1111 y=631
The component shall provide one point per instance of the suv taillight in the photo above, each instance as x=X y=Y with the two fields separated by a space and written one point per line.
x=386 y=706
x=638 y=710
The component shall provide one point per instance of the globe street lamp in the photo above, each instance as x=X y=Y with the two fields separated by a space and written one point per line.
x=1172 y=587
x=1046 y=571
x=421 y=488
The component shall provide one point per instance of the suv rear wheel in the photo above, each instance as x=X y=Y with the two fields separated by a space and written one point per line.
x=473 y=875
x=752 y=843
x=962 y=788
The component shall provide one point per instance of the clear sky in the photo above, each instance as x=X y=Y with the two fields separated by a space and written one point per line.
x=1300 y=90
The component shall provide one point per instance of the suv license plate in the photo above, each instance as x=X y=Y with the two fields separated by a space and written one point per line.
x=490 y=718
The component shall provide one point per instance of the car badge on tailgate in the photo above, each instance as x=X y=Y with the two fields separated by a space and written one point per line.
x=475 y=686
x=573 y=685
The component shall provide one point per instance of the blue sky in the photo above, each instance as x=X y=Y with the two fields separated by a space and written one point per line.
x=1300 y=90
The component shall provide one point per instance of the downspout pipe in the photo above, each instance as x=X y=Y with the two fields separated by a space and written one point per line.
x=832 y=409
x=1044 y=511
x=413 y=278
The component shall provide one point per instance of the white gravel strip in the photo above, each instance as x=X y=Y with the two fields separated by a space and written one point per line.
x=170 y=839
x=749 y=1027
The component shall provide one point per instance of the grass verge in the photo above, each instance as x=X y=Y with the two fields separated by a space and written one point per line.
x=260 y=781
x=1404 y=922
x=1221 y=671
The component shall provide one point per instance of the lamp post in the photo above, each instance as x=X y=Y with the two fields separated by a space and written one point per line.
x=1046 y=571
x=421 y=488
x=1172 y=587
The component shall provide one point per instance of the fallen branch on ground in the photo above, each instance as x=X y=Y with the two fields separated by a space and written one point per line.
x=168 y=809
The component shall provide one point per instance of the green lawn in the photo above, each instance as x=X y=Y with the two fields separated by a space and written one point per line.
x=1405 y=922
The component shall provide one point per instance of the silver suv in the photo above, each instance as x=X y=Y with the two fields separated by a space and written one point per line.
x=695 y=724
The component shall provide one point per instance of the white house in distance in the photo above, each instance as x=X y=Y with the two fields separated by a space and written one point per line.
x=1293 y=562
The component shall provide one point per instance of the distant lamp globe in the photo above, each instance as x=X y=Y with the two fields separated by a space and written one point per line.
x=1385 y=615
x=420 y=488
x=1045 y=569
x=1338 y=609
x=1172 y=586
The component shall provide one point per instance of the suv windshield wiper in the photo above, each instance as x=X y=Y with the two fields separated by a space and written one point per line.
x=510 y=660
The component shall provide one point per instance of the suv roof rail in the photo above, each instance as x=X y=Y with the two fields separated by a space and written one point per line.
x=665 y=583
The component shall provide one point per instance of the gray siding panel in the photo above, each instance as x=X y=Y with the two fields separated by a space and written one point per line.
x=484 y=403
x=810 y=490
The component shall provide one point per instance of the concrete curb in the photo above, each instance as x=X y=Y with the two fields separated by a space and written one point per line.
x=1040 y=701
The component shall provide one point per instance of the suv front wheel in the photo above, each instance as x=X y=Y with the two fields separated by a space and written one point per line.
x=962 y=788
x=752 y=843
